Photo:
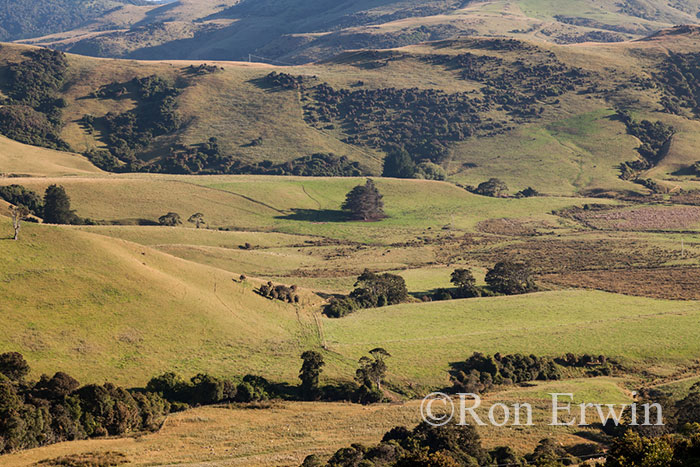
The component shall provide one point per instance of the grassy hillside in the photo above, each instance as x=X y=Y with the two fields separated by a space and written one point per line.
x=110 y=310
x=297 y=235
x=19 y=159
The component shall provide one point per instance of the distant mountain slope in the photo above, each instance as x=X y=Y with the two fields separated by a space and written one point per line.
x=20 y=19
x=298 y=31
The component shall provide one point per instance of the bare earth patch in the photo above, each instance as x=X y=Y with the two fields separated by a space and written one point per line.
x=643 y=218
x=667 y=283
x=511 y=227
x=552 y=255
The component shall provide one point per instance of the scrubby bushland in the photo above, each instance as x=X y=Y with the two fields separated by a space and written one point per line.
x=678 y=79
x=155 y=114
x=425 y=122
x=453 y=445
x=21 y=196
x=56 y=408
x=655 y=138
x=32 y=112
x=371 y=291
x=208 y=158
x=26 y=125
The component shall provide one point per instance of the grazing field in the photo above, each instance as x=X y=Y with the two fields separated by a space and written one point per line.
x=425 y=338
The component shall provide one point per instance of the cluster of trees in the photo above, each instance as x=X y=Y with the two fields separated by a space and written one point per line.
x=399 y=164
x=364 y=203
x=32 y=112
x=371 y=291
x=497 y=188
x=315 y=165
x=656 y=141
x=18 y=195
x=203 y=69
x=173 y=219
x=57 y=408
x=54 y=208
x=283 y=81
x=376 y=290
x=279 y=292
x=505 y=278
x=450 y=445
x=481 y=373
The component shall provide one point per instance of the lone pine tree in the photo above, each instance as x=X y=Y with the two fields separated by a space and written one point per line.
x=365 y=202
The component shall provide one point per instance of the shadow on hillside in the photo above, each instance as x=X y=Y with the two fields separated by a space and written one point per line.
x=687 y=170
x=317 y=215
x=264 y=84
x=133 y=221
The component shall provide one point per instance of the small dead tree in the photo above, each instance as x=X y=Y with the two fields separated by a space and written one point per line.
x=18 y=214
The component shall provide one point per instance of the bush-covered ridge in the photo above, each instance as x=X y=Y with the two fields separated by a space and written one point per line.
x=425 y=122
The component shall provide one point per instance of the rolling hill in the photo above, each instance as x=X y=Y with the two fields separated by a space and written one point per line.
x=546 y=116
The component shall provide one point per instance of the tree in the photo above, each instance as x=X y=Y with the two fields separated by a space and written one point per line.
x=13 y=365
x=492 y=187
x=57 y=206
x=464 y=280
x=510 y=278
x=309 y=374
x=18 y=214
x=197 y=219
x=171 y=219
x=372 y=370
x=377 y=290
x=399 y=164
x=365 y=202
x=430 y=171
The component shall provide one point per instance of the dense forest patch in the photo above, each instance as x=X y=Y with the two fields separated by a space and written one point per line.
x=32 y=112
